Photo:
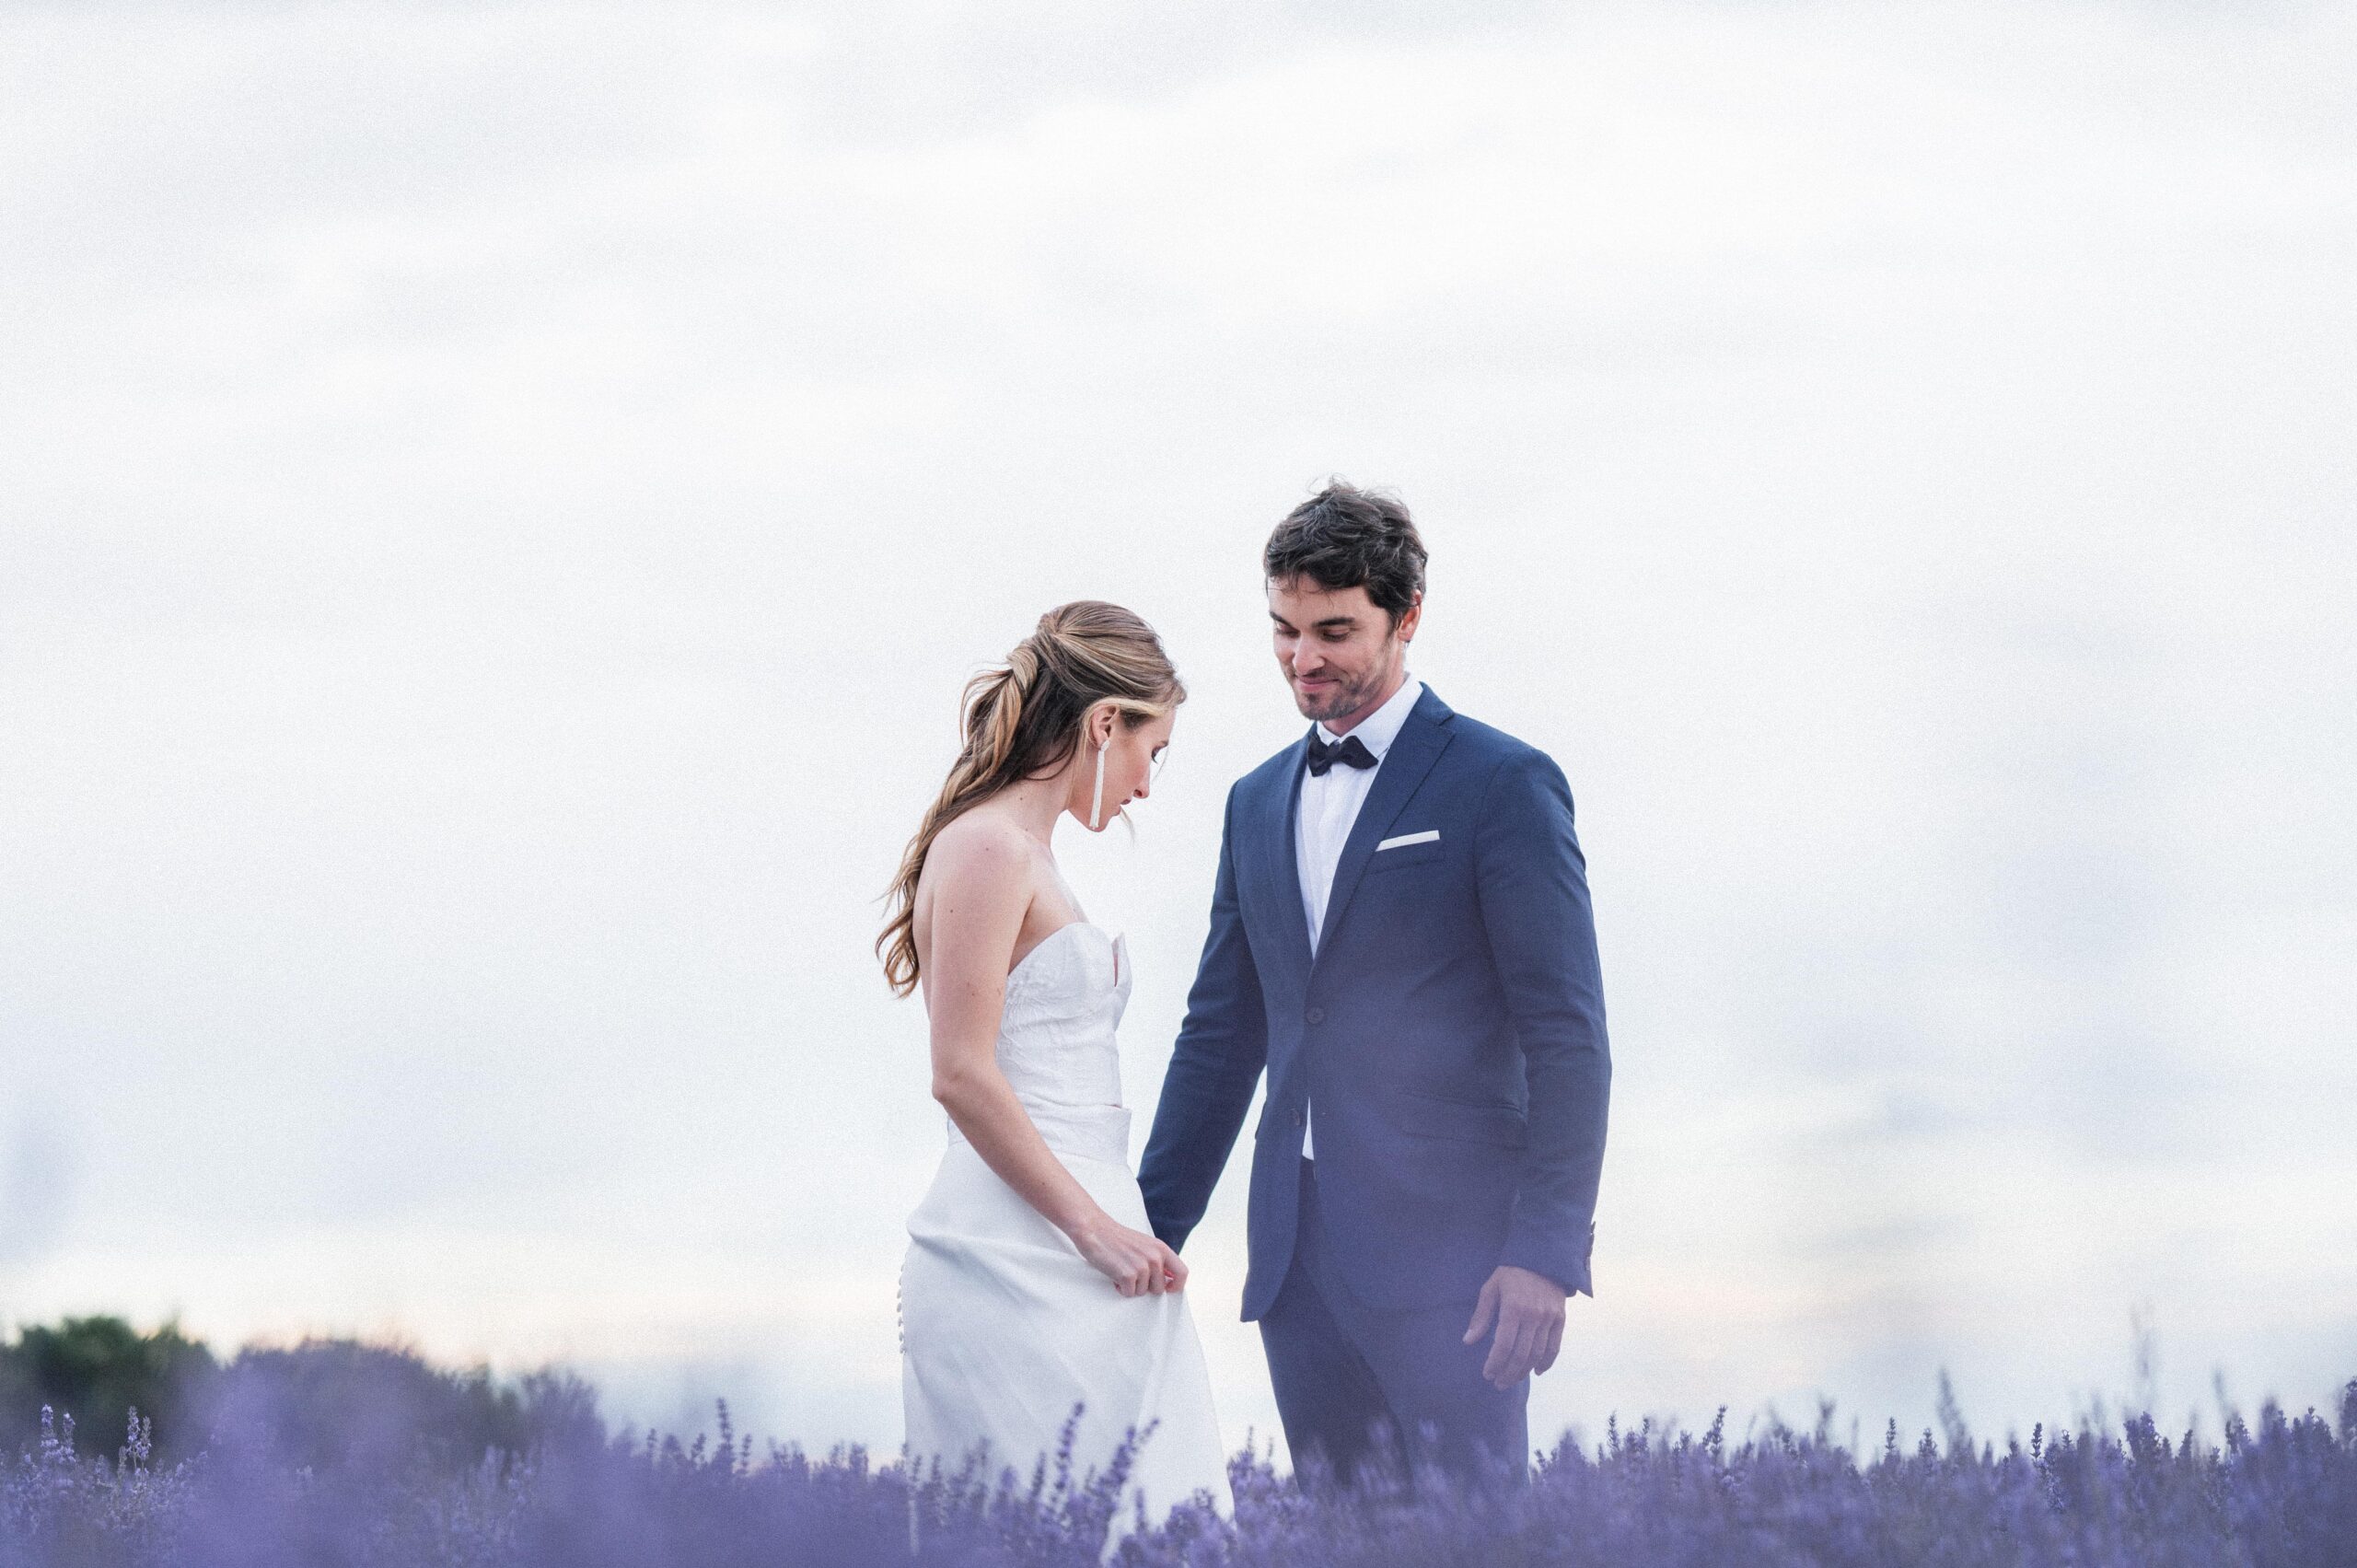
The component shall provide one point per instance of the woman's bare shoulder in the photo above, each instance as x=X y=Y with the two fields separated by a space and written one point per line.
x=982 y=851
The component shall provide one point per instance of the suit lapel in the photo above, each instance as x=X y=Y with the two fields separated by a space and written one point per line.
x=1283 y=889
x=1418 y=745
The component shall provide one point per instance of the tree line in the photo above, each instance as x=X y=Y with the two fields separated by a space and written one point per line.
x=327 y=1403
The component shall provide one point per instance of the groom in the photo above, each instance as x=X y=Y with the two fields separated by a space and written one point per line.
x=1401 y=936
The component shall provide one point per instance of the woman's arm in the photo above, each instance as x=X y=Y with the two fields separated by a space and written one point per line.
x=980 y=891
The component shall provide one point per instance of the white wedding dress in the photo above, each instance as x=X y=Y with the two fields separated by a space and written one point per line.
x=1003 y=1325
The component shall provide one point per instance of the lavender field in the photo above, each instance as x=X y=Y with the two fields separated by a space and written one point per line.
x=380 y=1485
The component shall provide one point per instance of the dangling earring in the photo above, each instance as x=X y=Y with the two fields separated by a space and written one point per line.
x=1097 y=804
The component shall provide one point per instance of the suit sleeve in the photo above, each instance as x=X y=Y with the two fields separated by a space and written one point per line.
x=1533 y=887
x=1223 y=1045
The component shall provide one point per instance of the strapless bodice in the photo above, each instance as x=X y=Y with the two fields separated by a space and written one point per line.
x=1056 y=1038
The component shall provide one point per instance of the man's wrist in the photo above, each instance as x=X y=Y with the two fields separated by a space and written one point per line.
x=1568 y=1275
x=1539 y=1274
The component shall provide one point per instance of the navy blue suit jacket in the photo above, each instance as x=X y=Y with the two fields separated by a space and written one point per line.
x=1450 y=1032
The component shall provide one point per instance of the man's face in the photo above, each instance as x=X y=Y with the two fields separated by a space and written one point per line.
x=1341 y=653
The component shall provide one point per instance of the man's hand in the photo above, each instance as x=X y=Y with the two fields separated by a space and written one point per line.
x=1528 y=1309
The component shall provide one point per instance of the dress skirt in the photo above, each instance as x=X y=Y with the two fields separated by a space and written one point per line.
x=1005 y=1327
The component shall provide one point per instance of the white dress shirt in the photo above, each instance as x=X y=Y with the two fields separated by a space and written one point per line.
x=1329 y=804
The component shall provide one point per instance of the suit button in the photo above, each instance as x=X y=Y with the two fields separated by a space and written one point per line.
x=1316 y=1014
x=1296 y=1116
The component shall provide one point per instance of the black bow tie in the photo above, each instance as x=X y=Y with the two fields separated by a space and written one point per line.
x=1351 y=751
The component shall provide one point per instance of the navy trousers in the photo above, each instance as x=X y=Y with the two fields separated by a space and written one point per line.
x=1358 y=1384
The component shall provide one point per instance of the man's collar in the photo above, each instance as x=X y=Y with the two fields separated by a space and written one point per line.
x=1381 y=727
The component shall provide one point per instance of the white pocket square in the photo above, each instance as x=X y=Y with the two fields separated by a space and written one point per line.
x=1427 y=836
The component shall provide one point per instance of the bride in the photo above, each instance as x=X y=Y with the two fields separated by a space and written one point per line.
x=1031 y=1282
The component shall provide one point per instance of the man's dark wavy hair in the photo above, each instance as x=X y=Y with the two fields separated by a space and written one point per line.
x=1347 y=538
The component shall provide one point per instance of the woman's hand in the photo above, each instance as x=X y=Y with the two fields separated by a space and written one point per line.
x=1138 y=1264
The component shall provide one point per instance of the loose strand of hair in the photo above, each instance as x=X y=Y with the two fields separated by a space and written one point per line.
x=993 y=708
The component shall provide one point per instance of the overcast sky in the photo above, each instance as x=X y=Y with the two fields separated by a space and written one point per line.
x=498 y=504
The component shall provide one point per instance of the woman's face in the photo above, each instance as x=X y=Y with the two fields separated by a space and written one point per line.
x=1129 y=762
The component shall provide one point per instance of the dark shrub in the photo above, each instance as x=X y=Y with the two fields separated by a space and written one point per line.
x=339 y=1405
x=98 y=1368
